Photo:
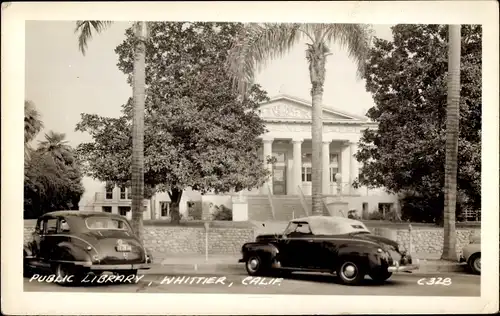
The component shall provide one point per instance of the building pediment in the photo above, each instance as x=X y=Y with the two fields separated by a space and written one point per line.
x=286 y=108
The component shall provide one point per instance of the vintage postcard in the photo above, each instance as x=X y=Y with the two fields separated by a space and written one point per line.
x=250 y=158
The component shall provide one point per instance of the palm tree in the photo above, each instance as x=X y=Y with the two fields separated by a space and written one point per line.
x=260 y=42
x=85 y=30
x=452 y=133
x=32 y=126
x=57 y=147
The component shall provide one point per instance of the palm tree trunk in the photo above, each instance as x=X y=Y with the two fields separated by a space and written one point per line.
x=138 y=129
x=452 y=131
x=317 y=73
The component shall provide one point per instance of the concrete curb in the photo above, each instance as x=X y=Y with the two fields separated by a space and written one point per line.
x=196 y=268
x=426 y=267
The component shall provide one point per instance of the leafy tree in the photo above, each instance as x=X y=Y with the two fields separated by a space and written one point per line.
x=85 y=30
x=198 y=133
x=406 y=154
x=52 y=178
x=257 y=43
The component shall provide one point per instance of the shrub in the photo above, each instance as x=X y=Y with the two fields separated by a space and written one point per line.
x=375 y=216
x=194 y=210
x=223 y=213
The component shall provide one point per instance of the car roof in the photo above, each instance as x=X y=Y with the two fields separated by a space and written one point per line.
x=80 y=214
x=331 y=219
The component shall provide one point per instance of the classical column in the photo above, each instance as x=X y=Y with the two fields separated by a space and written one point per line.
x=325 y=156
x=345 y=168
x=267 y=152
x=354 y=165
x=297 y=164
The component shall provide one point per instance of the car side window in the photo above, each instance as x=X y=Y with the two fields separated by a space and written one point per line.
x=63 y=226
x=51 y=226
x=39 y=227
x=298 y=229
x=290 y=229
x=303 y=229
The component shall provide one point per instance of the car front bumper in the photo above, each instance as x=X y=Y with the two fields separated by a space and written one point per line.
x=405 y=268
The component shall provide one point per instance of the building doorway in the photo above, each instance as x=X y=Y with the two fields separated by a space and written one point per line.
x=279 y=173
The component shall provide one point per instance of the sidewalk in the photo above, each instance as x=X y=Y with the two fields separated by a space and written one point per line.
x=180 y=263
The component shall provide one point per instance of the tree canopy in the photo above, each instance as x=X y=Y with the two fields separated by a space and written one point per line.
x=198 y=133
x=406 y=154
x=52 y=177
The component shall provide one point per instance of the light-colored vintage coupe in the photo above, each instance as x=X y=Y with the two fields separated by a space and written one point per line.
x=471 y=254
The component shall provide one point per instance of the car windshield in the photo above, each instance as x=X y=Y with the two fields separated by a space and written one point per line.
x=97 y=222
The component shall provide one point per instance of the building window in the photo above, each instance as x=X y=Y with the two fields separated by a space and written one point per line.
x=306 y=168
x=123 y=210
x=385 y=208
x=164 y=209
x=333 y=172
x=365 y=211
x=334 y=166
x=279 y=156
x=334 y=160
x=109 y=191
x=106 y=209
x=306 y=174
x=123 y=193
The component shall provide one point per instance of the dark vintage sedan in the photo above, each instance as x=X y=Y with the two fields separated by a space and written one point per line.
x=79 y=242
x=327 y=244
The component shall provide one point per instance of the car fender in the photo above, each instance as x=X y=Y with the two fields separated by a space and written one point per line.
x=366 y=255
x=27 y=251
x=67 y=251
x=266 y=251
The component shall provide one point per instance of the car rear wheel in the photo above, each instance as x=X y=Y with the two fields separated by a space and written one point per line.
x=475 y=263
x=254 y=265
x=67 y=274
x=350 y=273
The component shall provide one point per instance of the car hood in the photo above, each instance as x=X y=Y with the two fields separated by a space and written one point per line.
x=378 y=239
x=266 y=237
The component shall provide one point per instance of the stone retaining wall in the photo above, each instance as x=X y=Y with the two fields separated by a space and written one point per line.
x=163 y=241
x=170 y=240
x=430 y=240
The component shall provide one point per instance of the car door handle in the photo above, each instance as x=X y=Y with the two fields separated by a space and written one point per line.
x=310 y=240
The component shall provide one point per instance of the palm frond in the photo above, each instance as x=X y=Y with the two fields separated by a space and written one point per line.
x=32 y=121
x=257 y=44
x=85 y=30
x=356 y=38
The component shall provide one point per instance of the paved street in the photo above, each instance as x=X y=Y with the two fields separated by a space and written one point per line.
x=450 y=284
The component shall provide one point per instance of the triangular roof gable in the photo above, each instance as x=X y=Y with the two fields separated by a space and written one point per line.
x=288 y=107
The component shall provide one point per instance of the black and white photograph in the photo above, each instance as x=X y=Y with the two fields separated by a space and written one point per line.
x=250 y=157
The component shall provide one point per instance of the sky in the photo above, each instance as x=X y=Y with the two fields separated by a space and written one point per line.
x=63 y=83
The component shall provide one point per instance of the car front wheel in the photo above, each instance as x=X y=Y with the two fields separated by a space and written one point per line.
x=350 y=273
x=475 y=263
x=254 y=265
